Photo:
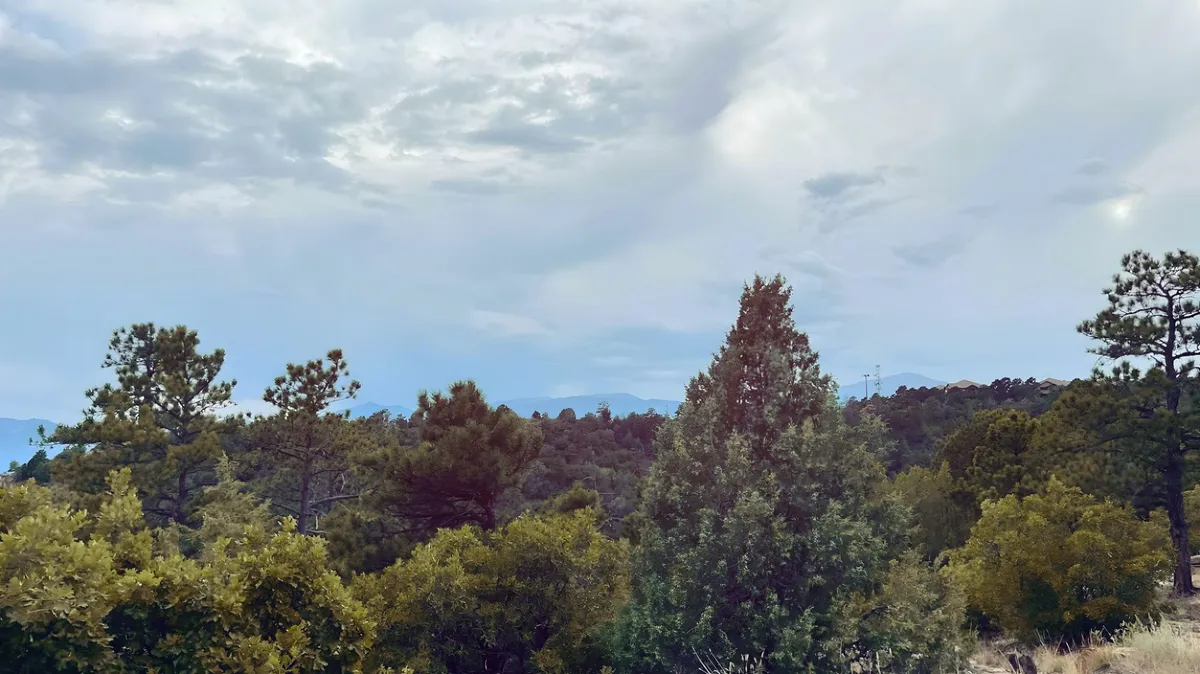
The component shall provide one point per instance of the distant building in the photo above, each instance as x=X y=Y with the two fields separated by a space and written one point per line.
x=7 y=480
x=1047 y=385
x=962 y=385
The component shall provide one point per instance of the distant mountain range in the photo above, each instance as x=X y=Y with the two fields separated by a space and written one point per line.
x=15 y=433
x=14 y=439
x=888 y=385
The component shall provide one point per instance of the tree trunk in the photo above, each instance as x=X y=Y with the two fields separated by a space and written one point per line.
x=182 y=493
x=1182 y=585
x=305 y=479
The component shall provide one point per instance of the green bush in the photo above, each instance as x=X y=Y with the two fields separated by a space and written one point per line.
x=1061 y=564
x=533 y=595
x=86 y=592
x=913 y=624
x=942 y=515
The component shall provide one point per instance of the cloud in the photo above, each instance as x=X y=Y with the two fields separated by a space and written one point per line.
x=933 y=253
x=1092 y=167
x=502 y=324
x=505 y=191
x=835 y=185
x=1089 y=195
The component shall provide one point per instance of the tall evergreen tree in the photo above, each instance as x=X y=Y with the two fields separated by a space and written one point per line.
x=307 y=445
x=765 y=376
x=159 y=418
x=1153 y=315
x=762 y=512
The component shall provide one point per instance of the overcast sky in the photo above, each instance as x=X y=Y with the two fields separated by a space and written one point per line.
x=564 y=196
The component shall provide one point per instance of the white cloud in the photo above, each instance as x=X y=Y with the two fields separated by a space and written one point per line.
x=568 y=174
x=498 y=323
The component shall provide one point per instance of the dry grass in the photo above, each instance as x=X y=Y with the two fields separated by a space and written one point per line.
x=1171 y=648
x=1168 y=649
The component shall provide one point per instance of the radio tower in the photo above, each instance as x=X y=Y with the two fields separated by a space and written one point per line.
x=866 y=378
x=878 y=382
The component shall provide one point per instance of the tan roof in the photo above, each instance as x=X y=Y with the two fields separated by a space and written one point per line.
x=962 y=383
x=1050 y=381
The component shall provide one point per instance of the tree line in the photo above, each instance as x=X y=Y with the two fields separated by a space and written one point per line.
x=763 y=521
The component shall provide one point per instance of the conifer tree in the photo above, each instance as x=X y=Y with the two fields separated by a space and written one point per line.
x=469 y=455
x=159 y=419
x=1152 y=317
x=308 y=444
x=762 y=512
x=765 y=376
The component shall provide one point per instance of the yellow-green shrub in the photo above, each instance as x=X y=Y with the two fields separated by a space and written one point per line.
x=1061 y=564
x=536 y=592
x=85 y=592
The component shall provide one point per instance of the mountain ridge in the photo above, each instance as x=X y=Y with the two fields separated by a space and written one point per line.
x=888 y=385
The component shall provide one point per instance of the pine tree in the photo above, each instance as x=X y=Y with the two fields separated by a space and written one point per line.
x=160 y=419
x=1153 y=315
x=469 y=455
x=308 y=445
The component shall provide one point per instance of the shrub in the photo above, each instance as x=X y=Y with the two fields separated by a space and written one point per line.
x=942 y=514
x=1061 y=564
x=531 y=596
x=913 y=624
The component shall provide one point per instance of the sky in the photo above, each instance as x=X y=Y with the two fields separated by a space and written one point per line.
x=565 y=197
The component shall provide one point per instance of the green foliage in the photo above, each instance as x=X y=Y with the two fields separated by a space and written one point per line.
x=531 y=596
x=912 y=624
x=305 y=447
x=86 y=593
x=988 y=456
x=1153 y=314
x=1079 y=441
x=1061 y=563
x=37 y=468
x=752 y=532
x=158 y=420
x=576 y=498
x=765 y=377
x=1191 y=505
x=226 y=509
x=919 y=418
x=469 y=455
x=943 y=515
x=610 y=456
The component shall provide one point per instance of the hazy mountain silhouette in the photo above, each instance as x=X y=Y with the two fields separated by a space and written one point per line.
x=889 y=385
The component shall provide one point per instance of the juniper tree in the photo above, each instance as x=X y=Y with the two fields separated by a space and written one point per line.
x=763 y=510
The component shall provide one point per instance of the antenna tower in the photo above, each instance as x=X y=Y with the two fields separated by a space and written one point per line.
x=866 y=378
x=878 y=382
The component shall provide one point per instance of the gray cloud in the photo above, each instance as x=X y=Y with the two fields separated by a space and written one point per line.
x=934 y=253
x=1092 y=167
x=467 y=186
x=838 y=185
x=255 y=118
x=636 y=158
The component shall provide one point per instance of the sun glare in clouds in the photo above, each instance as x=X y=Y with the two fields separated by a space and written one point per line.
x=1120 y=209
